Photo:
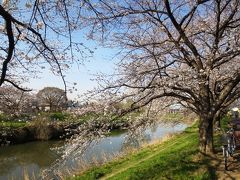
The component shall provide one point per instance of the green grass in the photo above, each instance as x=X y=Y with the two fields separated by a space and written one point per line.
x=12 y=124
x=224 y=122
x=172 y=159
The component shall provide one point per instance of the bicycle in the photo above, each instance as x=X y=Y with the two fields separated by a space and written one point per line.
x=229 y=146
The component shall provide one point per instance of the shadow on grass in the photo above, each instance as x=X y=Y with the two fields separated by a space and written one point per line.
x=178 y=165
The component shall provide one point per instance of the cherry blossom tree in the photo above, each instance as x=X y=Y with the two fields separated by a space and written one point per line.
x=14 y=101
x=52 y=97
x=186 y=51
x=38 y=34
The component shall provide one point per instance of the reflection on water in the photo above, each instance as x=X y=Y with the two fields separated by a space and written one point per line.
x=29 y=157
x=35 y=156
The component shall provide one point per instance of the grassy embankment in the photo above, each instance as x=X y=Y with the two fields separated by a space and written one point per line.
x=9 y=121
x=175 y=158
x=13 y=122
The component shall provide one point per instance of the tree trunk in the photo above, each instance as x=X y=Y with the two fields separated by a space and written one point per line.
x=50 y=106
x=217 y=118
x=206 y=135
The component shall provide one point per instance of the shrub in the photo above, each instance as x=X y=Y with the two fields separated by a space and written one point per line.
x=58 y=116
x=4 y=117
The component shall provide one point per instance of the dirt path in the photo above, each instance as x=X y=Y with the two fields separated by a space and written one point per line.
x=233 y=171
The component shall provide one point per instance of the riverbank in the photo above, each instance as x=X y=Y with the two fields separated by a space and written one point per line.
x=43 y=129
x=30 y=133
x=176 y=158
x=55 y=126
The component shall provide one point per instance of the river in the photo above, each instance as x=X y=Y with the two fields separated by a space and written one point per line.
x=31 y=158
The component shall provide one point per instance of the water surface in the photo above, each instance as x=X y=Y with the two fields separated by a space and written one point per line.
x=33 y=157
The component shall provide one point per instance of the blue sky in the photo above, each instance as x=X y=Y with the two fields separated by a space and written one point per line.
x=102 y=61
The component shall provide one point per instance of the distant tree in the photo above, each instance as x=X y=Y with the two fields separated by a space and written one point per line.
x=14 y=101
x=53 y=98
